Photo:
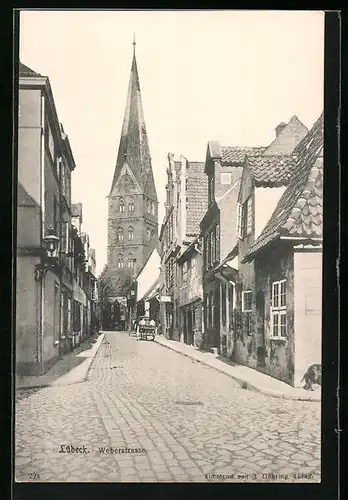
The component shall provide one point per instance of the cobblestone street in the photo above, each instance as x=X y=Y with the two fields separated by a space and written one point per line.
x=193 y=423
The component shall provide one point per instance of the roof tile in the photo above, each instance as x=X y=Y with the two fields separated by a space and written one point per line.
x=304 y=193
x=236 y=155
x=269 y=171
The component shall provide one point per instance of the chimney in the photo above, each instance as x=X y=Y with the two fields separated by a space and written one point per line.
x=279 y=128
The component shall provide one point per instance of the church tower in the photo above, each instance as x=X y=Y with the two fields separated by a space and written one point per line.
x=132 y=201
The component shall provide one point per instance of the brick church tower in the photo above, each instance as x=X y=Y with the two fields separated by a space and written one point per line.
x=132 y=202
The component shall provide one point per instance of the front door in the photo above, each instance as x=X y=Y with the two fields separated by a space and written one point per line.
x=260 y=328
x=217 y=317
x=189 y=326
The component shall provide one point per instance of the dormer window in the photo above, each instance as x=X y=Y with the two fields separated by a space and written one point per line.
x=121 y=205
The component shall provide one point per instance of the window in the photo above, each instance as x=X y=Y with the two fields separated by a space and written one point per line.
x=193 y=266
x=225 y=178
x=120 y=261
x=58 y=165
x=120 y=234
x=65 y=242
x=223 y=303
x=121 y=205
x=206 y=251
x=55 y=211
x=278 y=309
x=246 y=301
x=217 y=241
x=211 y=189
x=212 y=247
x=240 y=220
x=131 y=205
x=246 y=312
x=148 y=207
x=67 y=192
x=152 y=208
x=130 y=261
x=50 y=140
x=245 y=218
x=148 y=234
x=249 y=216
x=231 y=306
x=184 y=272
x=212 y=305
x=130 y=233
x=206 y=310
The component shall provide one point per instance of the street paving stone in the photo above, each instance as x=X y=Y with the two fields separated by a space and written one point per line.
x=195 y=424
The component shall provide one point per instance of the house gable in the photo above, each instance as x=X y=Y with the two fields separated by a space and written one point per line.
x=288 y=138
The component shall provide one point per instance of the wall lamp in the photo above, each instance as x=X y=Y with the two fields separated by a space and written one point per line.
x=50 y=246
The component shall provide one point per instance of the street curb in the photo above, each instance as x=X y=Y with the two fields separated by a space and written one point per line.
x=242 y=382
x=101 y=337
x=79 y=380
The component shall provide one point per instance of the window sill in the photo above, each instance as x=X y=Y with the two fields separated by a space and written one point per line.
x=279 y=339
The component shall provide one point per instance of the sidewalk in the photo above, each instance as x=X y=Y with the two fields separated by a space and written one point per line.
x=247 y=377
x=72 y=368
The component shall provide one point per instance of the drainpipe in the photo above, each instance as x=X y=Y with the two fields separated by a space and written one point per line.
x=42 y=203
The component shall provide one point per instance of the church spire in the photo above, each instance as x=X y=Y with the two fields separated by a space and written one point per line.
x=134 y=146
x=134 y=44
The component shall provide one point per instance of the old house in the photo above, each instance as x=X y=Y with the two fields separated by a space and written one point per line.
x=190 y=264
x=44 y=272
x=79 y=261
x=223 y=168
x=185 y=204
x=91 y=290
x=285 y=296
x=229 y=171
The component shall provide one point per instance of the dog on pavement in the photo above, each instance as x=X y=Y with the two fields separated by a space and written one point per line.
x=312 y=376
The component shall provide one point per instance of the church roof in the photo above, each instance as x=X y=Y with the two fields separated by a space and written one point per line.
x=134 y=145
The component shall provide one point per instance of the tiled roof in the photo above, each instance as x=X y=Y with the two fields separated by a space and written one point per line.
x=271 y=171
x=299 y=212
x=196 y=196
x=236 y=155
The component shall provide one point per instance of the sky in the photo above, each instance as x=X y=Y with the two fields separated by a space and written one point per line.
x=229 y=76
